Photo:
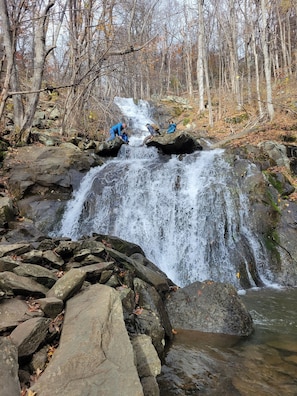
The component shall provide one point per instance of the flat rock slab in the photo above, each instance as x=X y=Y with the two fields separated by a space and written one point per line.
x=95 y=356
x=12 y=312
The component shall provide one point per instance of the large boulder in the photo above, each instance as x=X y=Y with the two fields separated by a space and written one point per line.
x=95 y=353
x=175 y=143
x=109 y=148
x=277 y=152
x=42 y=178
x=209 y=307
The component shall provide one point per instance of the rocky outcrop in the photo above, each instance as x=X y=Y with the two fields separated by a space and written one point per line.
x=210 y=307
x=41 y=179
x=89 y=317
x=109 y=149
x=175 y=143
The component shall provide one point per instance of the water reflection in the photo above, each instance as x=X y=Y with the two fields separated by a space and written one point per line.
x=263 y=364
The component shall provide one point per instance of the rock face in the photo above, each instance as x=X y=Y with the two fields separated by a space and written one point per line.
x=210 y=307
x=41 y=178
x=101 y=322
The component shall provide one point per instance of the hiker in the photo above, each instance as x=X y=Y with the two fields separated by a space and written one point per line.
x=116 y=130
x=172 y=127
x=125 y=137
x=153 y=130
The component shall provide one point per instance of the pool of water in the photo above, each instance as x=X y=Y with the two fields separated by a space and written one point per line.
x=263 y=364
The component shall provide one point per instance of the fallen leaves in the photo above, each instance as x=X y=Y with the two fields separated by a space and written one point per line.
x=33 y=305
x=59 y=274
x=57 y=323
x=138 y=311
x=27 y=392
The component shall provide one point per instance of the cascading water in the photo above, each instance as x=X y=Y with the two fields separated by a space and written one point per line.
x=138 y=115
x=187 y=213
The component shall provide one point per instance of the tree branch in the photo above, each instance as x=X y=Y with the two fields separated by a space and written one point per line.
x=131 y=48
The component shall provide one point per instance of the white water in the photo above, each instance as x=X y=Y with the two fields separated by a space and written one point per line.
x=138 y=116
x=187 y=215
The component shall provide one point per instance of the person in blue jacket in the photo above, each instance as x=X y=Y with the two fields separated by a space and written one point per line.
x=116 y=130
x=171 y=128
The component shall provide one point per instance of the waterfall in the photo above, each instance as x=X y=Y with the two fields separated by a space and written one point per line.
x=187 y=213
x=138 y=115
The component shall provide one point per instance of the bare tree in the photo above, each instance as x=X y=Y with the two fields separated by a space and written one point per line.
x=266 y=55
x=25 y=102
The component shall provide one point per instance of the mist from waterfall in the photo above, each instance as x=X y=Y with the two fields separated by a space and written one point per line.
x=186 y=212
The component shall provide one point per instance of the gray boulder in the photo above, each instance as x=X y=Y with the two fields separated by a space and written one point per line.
x=109 y=149
x=148 y=364
x=68 y=285
x=10 y=385
x=15 y=284
x=51 y=306
x=209 y=307
x=91 y=361
x=41 y=275
x=41 y=178
x=277 y=152
x=12 y=312
x=29 y=335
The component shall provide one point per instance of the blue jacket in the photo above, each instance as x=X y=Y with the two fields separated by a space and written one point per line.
x=117 y=129
x=171 y=128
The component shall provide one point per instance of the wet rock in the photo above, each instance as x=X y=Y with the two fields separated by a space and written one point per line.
x=209 y=307
x=175 y=143
x=109 y=149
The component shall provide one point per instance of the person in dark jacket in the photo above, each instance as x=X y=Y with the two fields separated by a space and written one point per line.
x=171 y=128
x=153 y=132
x=116 y=130
x=125 y=137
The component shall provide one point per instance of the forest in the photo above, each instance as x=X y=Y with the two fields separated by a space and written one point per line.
x=220 y=55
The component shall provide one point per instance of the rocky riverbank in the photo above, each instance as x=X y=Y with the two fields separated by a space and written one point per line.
x=78 y=316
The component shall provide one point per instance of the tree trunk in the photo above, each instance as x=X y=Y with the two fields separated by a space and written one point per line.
x=267 y=62
x=39 y=62
x=200 y=43
x=11 y=78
